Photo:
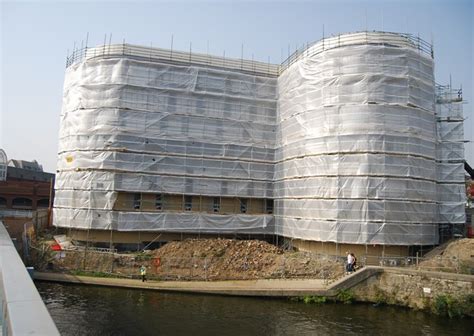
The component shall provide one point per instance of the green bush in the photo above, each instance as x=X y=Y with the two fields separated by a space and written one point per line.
x=447 y=305
x=380 y=297
x=314 y=299
x=345 y=296
x=143 y=257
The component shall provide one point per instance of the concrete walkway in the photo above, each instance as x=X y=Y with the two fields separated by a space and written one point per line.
x=267 y=287
x=264 y=287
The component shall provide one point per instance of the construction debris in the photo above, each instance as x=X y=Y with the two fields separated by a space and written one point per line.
x=456 y=256
x=219 y=259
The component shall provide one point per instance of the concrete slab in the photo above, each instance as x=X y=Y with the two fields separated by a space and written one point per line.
x=266 y=287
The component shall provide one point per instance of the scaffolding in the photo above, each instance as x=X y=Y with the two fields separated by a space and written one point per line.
x=357 y=144
x=451 y=188
x=145 y=121
x=337 y=144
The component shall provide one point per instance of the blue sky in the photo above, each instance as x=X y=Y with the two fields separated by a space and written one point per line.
x=35 y=37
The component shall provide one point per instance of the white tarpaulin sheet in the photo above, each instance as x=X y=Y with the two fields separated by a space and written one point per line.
x=345 y=140
x=357 y=146
x=450 y=158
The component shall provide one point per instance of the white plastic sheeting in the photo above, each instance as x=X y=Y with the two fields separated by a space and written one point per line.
x=450 y=158
x=345 y=140
x=165 y=221
x=3 y=165
x=143 y=125
x=357 y=144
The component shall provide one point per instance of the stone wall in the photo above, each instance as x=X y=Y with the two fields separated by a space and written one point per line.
x=412 y=288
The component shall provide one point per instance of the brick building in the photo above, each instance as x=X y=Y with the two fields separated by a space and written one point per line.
x=24 y=189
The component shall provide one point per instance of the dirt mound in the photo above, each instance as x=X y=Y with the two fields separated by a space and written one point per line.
x=457 y=256
x=222 y=259
x=207 y=259
x=462 y=249
x=229 y=248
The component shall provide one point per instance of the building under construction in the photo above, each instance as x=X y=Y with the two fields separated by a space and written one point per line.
x=347 y=144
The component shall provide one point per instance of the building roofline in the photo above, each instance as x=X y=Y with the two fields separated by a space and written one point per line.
x=247 y=66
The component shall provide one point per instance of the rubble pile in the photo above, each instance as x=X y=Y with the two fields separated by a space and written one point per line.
x=220 y=259
x=204 y=259
x=457 y=256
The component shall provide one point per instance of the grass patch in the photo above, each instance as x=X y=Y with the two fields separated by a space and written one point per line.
x=93 y=274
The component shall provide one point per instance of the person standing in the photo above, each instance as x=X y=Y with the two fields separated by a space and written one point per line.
x=350 y=262
x=354 y=262
x=143 y=273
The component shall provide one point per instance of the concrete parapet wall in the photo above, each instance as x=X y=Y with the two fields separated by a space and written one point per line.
x=22 y=309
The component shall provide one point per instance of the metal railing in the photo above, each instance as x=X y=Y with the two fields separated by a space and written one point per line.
x=446 y=94
x=166 y=55
x=199 y=268
x=22 y=311
x=436 y=263
x=251 y=66
x=284 y=266
x=90 y=248
x=359 y=38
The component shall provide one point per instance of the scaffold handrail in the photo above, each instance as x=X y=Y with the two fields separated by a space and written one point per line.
x=446 y=93
x=168 y=55
x=251 y=66
x=365 y=37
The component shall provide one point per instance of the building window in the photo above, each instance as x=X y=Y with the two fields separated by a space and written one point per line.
x=243 y=205
x=216 y=204
x=137 y=201
x=159 y=202
x=3 y=202
x=43 y=203
x=269 y=206
x=22 y=203
x=188 y=203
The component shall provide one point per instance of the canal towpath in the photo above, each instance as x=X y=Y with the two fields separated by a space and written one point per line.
x=258 y=287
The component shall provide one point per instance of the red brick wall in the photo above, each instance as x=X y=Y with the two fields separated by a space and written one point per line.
x=33 y=190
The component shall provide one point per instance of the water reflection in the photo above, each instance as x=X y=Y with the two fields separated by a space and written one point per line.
x=88 y=310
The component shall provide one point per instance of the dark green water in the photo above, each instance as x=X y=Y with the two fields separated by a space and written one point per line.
x=88 y=310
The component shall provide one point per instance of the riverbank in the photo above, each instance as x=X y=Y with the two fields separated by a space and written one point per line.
x=439 y=292
x=261 y=287
x=256 y=268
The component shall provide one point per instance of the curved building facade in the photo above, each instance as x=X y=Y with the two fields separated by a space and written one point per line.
x=338 y=144
x=156 y=140
x=357 y=143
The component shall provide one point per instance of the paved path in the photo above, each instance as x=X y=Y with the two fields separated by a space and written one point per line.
x=267 y=287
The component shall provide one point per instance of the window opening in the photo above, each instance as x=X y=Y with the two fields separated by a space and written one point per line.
x=137 y=201
x=188 y=203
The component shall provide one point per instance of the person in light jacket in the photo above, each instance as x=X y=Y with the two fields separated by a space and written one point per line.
x=350 y=262
x=143 y=273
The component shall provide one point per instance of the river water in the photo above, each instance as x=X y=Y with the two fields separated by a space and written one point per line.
x=89 y=310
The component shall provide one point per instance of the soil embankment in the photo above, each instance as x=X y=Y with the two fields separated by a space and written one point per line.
x=456 y=256
x=207 y=259
x=243 y=259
